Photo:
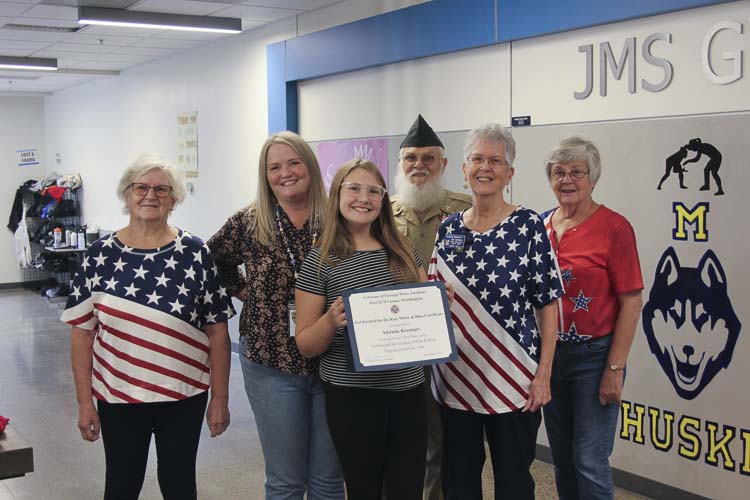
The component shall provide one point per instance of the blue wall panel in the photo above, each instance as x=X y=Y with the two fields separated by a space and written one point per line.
x=528 y=18
x=423 y=30
x=430 y=29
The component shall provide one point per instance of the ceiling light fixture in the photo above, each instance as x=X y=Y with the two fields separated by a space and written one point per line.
x=158 y=20
x=39 y=63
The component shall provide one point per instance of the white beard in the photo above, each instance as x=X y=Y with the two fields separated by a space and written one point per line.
x=419 y=198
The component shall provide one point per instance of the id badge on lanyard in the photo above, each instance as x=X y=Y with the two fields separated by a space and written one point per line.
x=292 y=311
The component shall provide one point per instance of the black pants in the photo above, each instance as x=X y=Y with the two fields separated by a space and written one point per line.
x=512 y=441
x=126 y=433
x=381 y=439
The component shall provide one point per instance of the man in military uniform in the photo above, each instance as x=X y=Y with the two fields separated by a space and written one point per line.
x=420 y=204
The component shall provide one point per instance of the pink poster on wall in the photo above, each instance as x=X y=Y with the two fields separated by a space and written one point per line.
x=333 y=154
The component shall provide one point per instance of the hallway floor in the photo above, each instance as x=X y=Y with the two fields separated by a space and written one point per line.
x=37 y=394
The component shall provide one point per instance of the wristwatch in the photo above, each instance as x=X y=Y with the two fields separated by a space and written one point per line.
x=615 y=368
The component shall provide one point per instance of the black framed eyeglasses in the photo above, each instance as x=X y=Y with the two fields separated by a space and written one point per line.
x=160 y=191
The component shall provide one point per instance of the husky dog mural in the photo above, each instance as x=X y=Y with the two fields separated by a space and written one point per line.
x=689 y=321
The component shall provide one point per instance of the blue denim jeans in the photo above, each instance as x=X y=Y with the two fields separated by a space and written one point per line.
x=291 y=417
x=581 y=432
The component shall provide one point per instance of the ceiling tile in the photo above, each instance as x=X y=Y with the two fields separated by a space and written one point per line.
x=52 y=12
x=257 y=13
x=107 y=40
x=292 y=4
x=180 y=7
x=12 y=9
x=80 y=48
x=40 y=21
x=143 y=51
x=16 y=52
x=22 y=45
x=125 y=58
x=167 y=43
x=34 y=36
x=112 y=66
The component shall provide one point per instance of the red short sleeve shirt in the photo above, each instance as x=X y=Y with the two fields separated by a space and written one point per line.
x=598 y=261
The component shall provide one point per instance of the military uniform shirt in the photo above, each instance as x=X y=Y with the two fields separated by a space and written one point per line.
x=422 y=234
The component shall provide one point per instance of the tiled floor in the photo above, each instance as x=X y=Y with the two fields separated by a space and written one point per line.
x=37 y=394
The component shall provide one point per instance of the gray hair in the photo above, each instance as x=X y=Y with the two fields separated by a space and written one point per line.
x=572 y=149
x=491 y=132
x=145 y=164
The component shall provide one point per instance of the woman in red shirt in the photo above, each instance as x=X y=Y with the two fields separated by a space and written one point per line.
x=598 y=259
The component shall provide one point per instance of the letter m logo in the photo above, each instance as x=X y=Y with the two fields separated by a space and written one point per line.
x=695 y=217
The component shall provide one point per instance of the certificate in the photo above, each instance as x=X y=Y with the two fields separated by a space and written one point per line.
x=398 y=326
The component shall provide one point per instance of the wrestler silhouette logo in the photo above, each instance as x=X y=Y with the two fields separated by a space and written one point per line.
x=689 y=321
x=675 y=164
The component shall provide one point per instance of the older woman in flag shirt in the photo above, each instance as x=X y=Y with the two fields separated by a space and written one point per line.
x=149 y=339
x=601 y=272
x=499 y=260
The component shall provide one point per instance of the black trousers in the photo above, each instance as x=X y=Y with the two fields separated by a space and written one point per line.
x=381 y=438
x=512 y=441
x=126 y=433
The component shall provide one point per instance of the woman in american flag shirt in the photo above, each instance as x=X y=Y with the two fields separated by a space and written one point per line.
x=497 y=257
x=149 y=339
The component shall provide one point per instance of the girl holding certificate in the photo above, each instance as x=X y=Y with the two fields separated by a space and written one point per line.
x=376 y=419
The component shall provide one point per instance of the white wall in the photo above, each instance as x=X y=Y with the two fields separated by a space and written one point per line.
x=385 y=100
x=100 y=127
x=22 y=127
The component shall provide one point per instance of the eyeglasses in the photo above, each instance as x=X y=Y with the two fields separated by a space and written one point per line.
x=427 y=159
x=479 y=161
x=575 y=174
x=354 y=189
x=160 y=191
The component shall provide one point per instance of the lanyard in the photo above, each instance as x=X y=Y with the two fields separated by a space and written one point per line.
x=287 y=246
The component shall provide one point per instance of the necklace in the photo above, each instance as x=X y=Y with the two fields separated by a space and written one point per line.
x=314 y=229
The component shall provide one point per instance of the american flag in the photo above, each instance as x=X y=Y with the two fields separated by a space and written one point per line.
x=499 y=278
x=149 y=309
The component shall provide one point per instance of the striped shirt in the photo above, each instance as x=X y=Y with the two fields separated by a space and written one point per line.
x=499 y=277
x=361 y=270
x=149 y=309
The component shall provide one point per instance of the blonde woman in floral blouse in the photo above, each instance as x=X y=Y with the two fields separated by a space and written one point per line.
x=271 y=238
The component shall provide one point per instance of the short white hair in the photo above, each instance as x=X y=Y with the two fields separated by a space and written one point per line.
x=491 y=132
x=145 y=164
x=572 y=149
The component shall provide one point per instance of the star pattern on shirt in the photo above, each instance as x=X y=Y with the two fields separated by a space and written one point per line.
x=567 y=275
x=581 y=302
x=507 y=269
x=572 y=335
x=181 y=283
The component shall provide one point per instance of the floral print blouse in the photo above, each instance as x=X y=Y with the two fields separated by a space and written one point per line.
x=269 y=279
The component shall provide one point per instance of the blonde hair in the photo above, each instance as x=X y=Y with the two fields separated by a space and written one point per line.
x=337 y=240
x=264 y=228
